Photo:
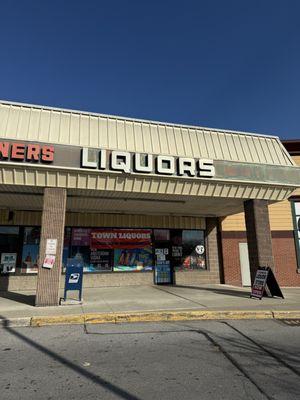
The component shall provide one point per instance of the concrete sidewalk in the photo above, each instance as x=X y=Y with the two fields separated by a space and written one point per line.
x=117 y=304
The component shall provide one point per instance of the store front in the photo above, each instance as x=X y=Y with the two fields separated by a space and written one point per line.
x=106 y=249
x=128 y=196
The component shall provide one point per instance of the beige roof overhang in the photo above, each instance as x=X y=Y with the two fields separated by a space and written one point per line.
x=260 y=166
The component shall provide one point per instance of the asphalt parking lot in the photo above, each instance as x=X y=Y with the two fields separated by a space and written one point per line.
x=183 y=360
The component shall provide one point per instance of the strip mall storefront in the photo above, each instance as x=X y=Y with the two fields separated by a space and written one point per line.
x=125 y=195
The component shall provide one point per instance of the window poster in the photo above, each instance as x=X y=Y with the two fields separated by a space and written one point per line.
x=81 y=236
x=176 y=251
x=101 y=260
x=133 y=259
x=8 y=263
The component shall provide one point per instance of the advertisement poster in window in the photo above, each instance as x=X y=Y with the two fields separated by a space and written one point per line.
x=133 y=259
x=101 y=260
x=81 y=236
x=132 y=249
x=8 y=263
x=30 y=252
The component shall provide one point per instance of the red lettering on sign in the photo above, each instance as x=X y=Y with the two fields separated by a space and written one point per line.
x=18 y=151
x=33 y=152
x=120 y=238
x=4 y=147
x=48 y=153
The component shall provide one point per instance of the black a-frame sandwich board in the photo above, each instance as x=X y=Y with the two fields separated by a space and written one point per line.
x=265 y=278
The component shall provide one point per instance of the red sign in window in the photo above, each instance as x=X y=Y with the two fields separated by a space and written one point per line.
x=120 y=238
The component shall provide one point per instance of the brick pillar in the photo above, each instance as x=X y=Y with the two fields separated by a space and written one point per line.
x=53 y=224
x=258 y=235
x=213 y=250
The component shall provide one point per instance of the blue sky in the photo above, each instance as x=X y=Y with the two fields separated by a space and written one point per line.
x=231 y=64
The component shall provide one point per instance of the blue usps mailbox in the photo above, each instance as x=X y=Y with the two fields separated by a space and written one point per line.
x=74 y=275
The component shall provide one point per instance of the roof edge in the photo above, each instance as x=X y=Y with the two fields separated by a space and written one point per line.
x=67 y=110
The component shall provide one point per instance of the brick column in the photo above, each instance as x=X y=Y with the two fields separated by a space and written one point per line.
x=213 y=250
x=258 y=235
x=53 y=224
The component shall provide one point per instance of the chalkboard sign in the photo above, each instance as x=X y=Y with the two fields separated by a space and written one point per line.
x=265 y=278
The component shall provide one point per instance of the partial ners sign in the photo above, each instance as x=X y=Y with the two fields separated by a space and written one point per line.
x=146 y=163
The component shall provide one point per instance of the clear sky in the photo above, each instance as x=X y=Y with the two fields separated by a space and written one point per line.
x=231 y=64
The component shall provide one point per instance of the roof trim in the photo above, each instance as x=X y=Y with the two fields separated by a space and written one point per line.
x=145 y=121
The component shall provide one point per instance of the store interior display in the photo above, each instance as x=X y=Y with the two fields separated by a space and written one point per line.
x=107 y=249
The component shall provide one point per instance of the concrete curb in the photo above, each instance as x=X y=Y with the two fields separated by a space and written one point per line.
x=15 y=322
x=161 y=316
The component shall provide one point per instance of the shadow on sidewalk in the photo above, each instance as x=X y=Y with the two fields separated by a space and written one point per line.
x=28 y=299
x=222 y=291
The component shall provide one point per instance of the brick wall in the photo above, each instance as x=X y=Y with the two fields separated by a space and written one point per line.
x=284 y=254
x=258 y=235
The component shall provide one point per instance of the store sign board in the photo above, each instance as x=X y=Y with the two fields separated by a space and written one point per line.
x=100 y=159
x=28 y=152
x=120 y=238
x=97 y=159
x=145 y=163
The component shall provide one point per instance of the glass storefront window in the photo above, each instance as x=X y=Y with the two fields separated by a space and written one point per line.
x=107 y=249
x=188 y=250
x=9 y=240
